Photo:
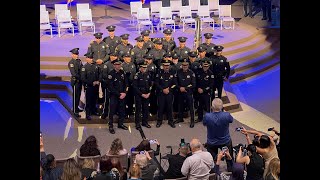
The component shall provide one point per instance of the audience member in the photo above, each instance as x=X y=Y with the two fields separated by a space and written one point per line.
x=71 y=170
x=90 y=147
x=117 y=148
x=51 y=171
x=198 y=165
x=148 y=166
x=276 y=139
x=145 y=146
x=175 y=162
x=266 y=147
x=237 y=169
x=87 y=168
x=218 y=135
x=273 y=171
x=134 y=172
x=107 y=171
x=254 y=163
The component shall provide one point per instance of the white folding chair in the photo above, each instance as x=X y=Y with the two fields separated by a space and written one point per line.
x=85 y=20
x=194 y=4
x=64 y=21
x=143 y=18
x=45 y=22
x=204 y=15
x=81 y=6
x=155 y=8
x=214 y=6
x=225 y=16
x=43 y=8
x=57 y=8
x=186 y=17
x=134 y=6
x=166 y=18
x=175 y=7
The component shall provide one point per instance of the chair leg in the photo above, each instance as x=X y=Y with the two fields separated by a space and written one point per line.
x=94 y=29
x=59 y=32
x=182 y=26
x=221 y=24
x=80 y=30
x=233 y=24
x=174 y=27
x=139 y=28
x=51 y=32
x=72 y=30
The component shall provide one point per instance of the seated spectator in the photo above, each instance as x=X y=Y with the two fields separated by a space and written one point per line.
x=117 y=148
x=175 y=162
x=265 y=147
x=276 y=139
x=87 y=168
x=90 y=147
x=148 y=166
x=107 y=171
x=273 y=171
x=71 y=170
x=134 y=172
x=253 y=161
x=238 y=172
x=145 y=146
x=48 y=163
x=198 y=165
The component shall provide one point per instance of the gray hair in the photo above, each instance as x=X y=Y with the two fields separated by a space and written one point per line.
x=195 y=144
x=141 y=160
x=217 y=104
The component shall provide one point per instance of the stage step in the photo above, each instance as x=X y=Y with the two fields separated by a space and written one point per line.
x=56 y=85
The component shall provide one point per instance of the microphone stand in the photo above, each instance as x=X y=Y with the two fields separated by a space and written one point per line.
x=105 y=11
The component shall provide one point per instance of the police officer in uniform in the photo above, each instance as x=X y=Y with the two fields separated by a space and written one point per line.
x=165 y=82
x=205 y=80
x=124 y=47
x=247 y=3
x=176 y=65
x=157 y=52
x=266 y=9
x=208 y=44
x=142 y=85
x=194 y=63
x=90 y=79
x=138 y=51
x=148 y=44
x=182 y=51
x=168 y=42
x=117 y=84
x=202 y=53
x=130 y=70
x=75 y=66
x=105 y=70
x=99 y=49
x=112 y=41
x=220 y=69
x=186 y=82
x=152 y=70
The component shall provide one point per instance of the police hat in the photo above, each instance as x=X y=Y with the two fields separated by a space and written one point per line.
x=139 y=39
x=182 y=39
x=74 y=51
x=98 y=35
x=125 y=36
x=89 y=55
x=205 y=62
x=148 y=56
x=201 y=49
x=167 y=31
x=175 y=56
x=116 y=62
x=218 y=48
x=143 y=64
x=168 y=54
x=111 y=28
x=127 y=54
x=208 y=35
x=184 y=61
x=166 y=62
x=192 y=54
x=158 y=41
x=145 y=33
x=113 y=54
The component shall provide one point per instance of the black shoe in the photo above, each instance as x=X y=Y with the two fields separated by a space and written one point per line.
x=88 y=118
x=191 y=124
x=179 y=121
x=146 y=125
x=111 y=130
x=158 y=124
x=264 y=18
x=138 y=126
x=172 y=124
x=77 y=115
x=251 y=16
x=198 y=120
x=246 y=15
x=123 y=127
x=104 y=116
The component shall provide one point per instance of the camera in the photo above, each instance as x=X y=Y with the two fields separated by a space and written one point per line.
x=237 y=148
x=152 y=141
x=224 y=149
x=142 y=152
x=270 y=129
x=239 y=128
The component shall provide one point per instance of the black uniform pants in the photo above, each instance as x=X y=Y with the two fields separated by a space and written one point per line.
x=196 y=99
x=204 y=104
x=266 y=8
x=91 y=99
x=153 y=101
x=218 y=84
x=77 y=87
x=213 y=150
x=189 y=103
x=247 y=3
x=116 y=104
x=129 y=99
x=175 y=101
x=165 y=102
x=142 y=105
x=105 y=110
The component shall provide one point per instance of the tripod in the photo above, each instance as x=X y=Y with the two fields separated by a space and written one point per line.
x=106 y=11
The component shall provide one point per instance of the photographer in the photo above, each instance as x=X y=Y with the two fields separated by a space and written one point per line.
x=253 y=161
x=265 y=146
x=145 y=146
x=148 y=166
x=176 y=161
x=237 y=169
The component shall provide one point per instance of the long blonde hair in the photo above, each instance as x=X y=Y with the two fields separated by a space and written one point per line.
x=116 y=146
x=71 y=170
x=88 y=163
x=274 y=168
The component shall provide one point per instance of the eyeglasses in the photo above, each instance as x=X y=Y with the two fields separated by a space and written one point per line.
x=98 y=37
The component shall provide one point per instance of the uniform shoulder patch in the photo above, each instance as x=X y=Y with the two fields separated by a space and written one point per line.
x=193 y=75
x=83 y=69
x=71 y=65
x=212 y=76
x=109 y=76
x=136 y=77
x=132 y=53
x=105 y=66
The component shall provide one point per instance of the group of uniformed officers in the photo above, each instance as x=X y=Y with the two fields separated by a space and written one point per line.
x=153 y=77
